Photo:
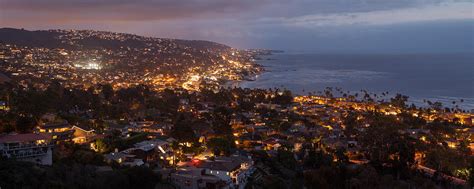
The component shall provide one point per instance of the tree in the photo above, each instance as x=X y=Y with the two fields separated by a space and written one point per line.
x=141 y=177
x=323 y=178
x=221 y=146
x=16 y=174
x=341 y=156
x=182 y=130
x=221 y=121
x=284 y=98
x=317 y=159
x=387 y=146
x=366 y=177
x=270 y=181
x=286 y=158
x=24 y=124
x=107 y=91
x=351 y=123
x=31 y=103
x=471 y=171
x=447 y=160
x=436 y=106
x=101 y=146
x=399 y=100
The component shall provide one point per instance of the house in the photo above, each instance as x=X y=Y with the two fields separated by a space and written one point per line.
x=60 y=131
x=82 y=134
x=148 y=145
x=452 y=143
x=123 y=158
x=147 y=126
x=195 y=178
x=32 y=147
x=233 y=170
x=140 y=153
x=160 y=129
x=273 y=143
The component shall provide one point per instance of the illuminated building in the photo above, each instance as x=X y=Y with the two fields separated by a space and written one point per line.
x=82 y=134
x=30 y=147
x=59 y=131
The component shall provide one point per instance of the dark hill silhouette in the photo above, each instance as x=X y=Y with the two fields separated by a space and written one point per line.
x=49 y=39
x=23 y=37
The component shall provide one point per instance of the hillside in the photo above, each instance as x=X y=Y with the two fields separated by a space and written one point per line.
x=30 y=38
x=86 y=58
x=92 y=39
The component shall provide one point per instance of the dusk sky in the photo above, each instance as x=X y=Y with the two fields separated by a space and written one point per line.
x=297 y=25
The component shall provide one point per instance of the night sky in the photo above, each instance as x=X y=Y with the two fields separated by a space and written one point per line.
x=408 y=26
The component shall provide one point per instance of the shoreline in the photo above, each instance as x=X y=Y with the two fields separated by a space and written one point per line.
x=467 y=103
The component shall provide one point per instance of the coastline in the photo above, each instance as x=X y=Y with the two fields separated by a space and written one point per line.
x=257 y=71
x=286 y=75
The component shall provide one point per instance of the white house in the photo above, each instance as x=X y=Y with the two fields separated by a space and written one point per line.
x=234 y=170
x=32 y=147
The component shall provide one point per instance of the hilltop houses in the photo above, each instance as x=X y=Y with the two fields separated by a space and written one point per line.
x=220 y=172
x=31 y=147
x=82 y=134
x=147 y=151
x=63 y=131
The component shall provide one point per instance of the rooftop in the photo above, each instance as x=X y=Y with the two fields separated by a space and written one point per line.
x=223 y=163
x=24 y=137
x=55 y=125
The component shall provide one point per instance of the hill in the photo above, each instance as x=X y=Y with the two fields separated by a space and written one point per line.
x=85 y=58
x=92 y=39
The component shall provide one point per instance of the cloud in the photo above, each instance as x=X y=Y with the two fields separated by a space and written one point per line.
x=438 y=12
x=241 y=23
x=73 y=11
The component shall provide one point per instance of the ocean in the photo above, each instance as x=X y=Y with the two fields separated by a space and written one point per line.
x=434 y=77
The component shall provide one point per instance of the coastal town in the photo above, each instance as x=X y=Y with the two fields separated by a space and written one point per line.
x=84 y=58
x=163 y=116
